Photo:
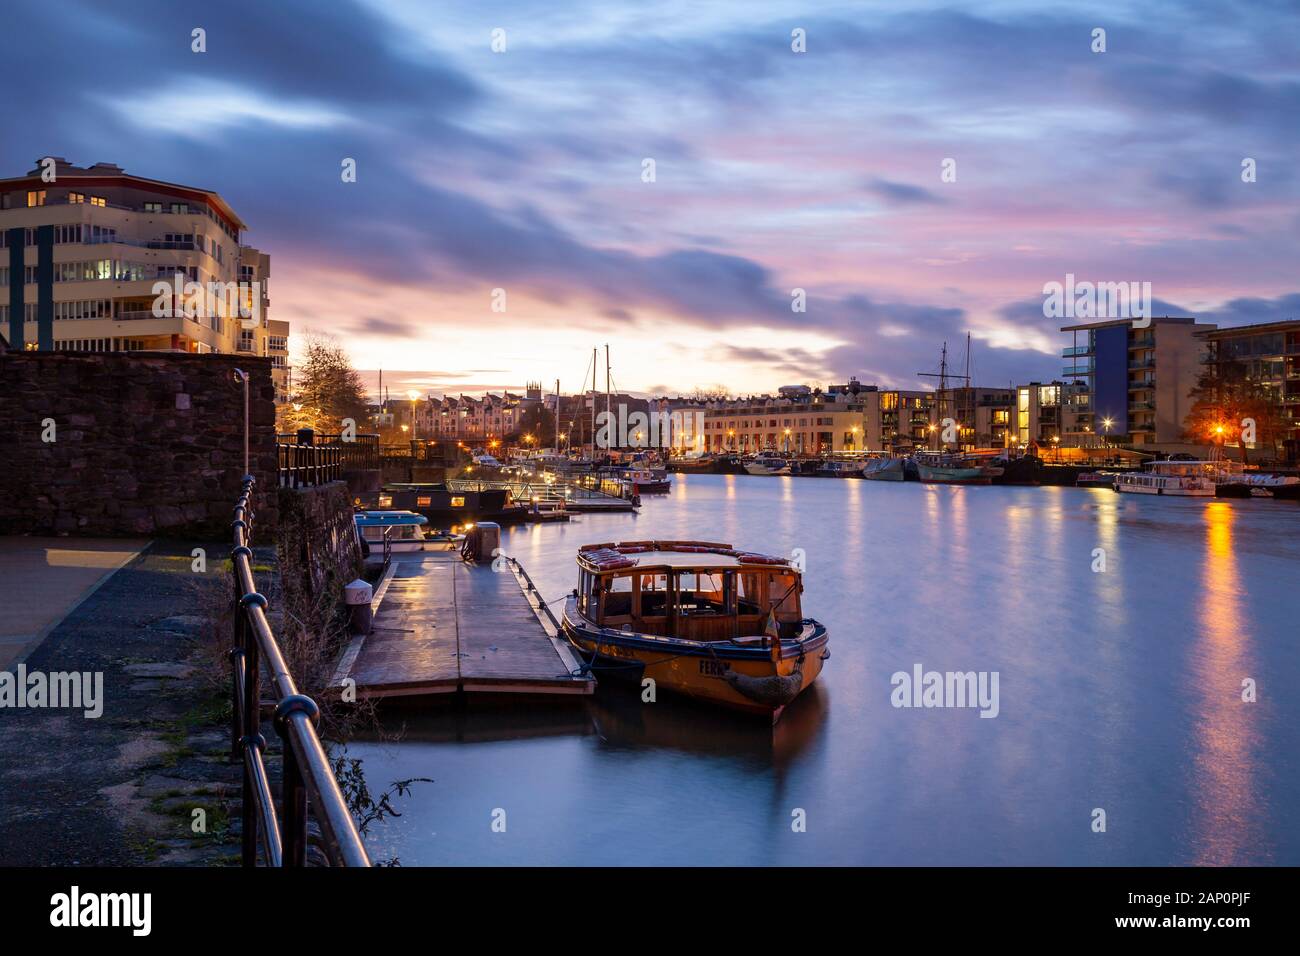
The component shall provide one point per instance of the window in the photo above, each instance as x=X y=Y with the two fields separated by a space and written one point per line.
x=76 y=198
x=180 y=207
x=98 y=201
x=153 y=207
x=36 y=197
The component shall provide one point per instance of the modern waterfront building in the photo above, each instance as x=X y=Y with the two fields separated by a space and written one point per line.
x=1269 y=354
x=1052 y=415
x=1137 y=381
x=82 y=250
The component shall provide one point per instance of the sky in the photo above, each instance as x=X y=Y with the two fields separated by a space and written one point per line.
x=523 y=170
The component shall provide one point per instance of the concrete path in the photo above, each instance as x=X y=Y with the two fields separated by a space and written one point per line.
x=46 y=578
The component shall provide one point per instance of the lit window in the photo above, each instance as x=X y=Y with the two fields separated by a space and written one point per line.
x=76 y=198
x=36 y=197
x=457 y=502
x=98 y=201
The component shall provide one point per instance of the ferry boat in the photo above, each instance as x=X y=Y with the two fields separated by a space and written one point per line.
x=1188 y=479
x=884 y=469
x=767 y=465
x=699 y=618
x=407 y=532
x=938 y=468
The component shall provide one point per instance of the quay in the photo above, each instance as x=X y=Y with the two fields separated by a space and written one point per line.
x=444 y=625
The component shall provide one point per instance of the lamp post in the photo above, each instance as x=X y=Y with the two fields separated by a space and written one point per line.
x=414 y=396
x=242 y=376
x=1106 y=424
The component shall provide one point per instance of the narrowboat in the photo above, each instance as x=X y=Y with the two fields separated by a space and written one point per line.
x=406 y=534
x=701 y=619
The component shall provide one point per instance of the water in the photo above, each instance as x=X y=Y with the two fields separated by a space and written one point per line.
x=1119 y=690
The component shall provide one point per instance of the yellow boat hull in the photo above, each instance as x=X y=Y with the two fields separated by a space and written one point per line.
x=717 y=678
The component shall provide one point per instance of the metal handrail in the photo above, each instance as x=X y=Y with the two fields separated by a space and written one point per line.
x=307 y=779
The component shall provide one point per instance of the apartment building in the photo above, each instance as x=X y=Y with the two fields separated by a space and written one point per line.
x=85 y=252
x=798 y=420
x=1054 y=414
x=1137 y=380
x=1269 y=354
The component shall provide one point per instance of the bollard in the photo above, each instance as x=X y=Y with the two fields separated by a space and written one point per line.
x=358 y=595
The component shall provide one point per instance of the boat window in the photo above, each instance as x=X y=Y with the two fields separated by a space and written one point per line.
x=704 y=592
x=653 y=593
x=615 y=596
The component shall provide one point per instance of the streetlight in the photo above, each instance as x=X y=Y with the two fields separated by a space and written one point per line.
x=1106 y=424
x=414 y=396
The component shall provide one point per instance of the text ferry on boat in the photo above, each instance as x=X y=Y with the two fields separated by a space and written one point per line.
x=702 y=619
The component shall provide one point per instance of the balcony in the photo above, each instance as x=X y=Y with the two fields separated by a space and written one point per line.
x=1077 y=370
x=1142 y=363
x=1076 y=350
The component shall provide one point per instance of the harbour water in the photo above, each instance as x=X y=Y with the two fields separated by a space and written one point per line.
x=1119 y=689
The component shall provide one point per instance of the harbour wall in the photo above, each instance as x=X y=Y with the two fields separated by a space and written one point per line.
x=132 y=443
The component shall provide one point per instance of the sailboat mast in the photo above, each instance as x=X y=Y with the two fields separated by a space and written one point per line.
x=608 y=419
x=557 y=417
x=593 y=404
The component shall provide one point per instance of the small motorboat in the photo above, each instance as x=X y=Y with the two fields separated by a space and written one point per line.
x=1095 y=479
x=768 y=465
x=404 y=529
x=698 y=618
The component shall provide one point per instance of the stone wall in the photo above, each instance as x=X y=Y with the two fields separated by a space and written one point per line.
x=317 y=553
x=143 y=443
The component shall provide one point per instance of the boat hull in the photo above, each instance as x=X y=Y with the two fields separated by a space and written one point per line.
x=715 y=676
x=942 y=475
x=754 y=469
x=890 y=469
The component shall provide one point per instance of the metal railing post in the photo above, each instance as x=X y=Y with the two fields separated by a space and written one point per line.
x=294 y=792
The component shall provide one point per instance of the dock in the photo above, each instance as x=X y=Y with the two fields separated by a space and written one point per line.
x=446 y=626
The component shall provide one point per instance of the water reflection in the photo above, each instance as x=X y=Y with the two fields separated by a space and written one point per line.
x=1225 y=812
x=1119 y=689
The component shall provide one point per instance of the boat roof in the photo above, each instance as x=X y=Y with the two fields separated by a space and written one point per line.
x=371 y=518
x=673 y=554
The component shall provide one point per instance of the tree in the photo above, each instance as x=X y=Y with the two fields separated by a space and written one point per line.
x=1225 y=400
x=327 y=389
x=715 y=393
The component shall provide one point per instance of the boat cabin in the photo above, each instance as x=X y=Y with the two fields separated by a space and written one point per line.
x=405 y=529
x=692 y=590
